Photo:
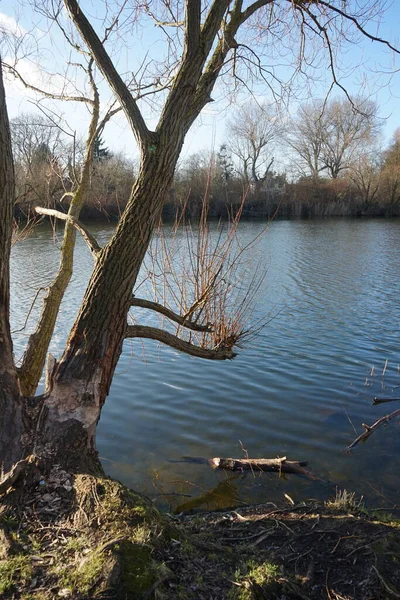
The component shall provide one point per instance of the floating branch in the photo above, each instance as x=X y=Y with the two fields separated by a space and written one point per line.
x=369 y=429
x=382 y=400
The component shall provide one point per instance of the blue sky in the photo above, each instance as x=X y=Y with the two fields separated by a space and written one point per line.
x=362 y=67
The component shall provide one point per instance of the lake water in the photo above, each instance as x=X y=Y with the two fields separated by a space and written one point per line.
x=297 y=390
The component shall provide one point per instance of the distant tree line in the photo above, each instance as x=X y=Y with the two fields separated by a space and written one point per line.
x=326 y=160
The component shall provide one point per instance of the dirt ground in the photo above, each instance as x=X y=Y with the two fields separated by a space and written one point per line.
x=82 y=537
x=304 y=552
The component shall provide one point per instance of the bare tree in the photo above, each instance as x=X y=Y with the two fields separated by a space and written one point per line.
x=364 y=173
x=349 y=128
x=39 y=150
x=252 y=133
x=390 y=172
x=59 y=427
x=305 y=136
x=328 y=137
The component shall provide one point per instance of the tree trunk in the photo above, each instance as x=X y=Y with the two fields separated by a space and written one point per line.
x=35 y=354
x=11 y=425
x=80 y=382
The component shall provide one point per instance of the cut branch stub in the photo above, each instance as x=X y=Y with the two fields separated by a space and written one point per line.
x=88 y=237
x=152 y=333
x=163 y=310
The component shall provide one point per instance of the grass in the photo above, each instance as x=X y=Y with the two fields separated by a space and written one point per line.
x=254 y=578
x=15 y=570
x=346 y=501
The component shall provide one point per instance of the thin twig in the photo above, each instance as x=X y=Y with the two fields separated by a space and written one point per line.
x=385 y=585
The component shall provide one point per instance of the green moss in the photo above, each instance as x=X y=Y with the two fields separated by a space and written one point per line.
x=83 y=578
x=384 y=517
x=76 y=543
x=139 y=570
x=17 y=569
x=264 y=573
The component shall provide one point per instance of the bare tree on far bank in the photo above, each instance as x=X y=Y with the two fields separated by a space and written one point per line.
x=327 y=137
x=253 y=132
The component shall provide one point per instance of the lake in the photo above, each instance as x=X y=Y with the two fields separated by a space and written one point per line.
x=298 y=389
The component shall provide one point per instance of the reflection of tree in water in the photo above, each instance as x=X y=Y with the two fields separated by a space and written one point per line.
x=225 y=494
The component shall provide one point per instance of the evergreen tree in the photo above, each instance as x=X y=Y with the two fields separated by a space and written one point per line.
x=100 y=152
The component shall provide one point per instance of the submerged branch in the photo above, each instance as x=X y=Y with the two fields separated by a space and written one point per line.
x=88 y=237
x=370 y=429
x=153 y=333
x=163 y=310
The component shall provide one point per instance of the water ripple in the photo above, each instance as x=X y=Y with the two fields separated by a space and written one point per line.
x=297 y=390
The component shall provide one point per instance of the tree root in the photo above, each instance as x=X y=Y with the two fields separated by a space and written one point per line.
x=15 y=473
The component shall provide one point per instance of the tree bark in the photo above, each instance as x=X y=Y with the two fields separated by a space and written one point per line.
x=35 y=354
x=11 y=425
x=81 y=380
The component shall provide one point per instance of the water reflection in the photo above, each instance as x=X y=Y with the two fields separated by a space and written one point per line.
x=223 y=495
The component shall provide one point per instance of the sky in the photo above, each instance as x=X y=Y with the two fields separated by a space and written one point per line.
x=47 y=56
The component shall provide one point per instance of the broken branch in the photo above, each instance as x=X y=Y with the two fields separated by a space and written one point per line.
x=88 y=237
x=15 y=473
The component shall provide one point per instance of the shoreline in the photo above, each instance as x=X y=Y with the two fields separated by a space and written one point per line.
x=87 y=536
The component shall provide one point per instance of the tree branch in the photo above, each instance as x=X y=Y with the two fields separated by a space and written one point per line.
x=180 y=98
x=192 y=26
x=152 y=333
x=369 y=429
x=28 y=86
x=163 y=310
x=354 y=20
x=88 y=237
x=107 y=68
x=250 y=10
x=217 y=60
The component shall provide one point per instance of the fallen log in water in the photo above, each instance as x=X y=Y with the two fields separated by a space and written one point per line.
x=277 y=465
